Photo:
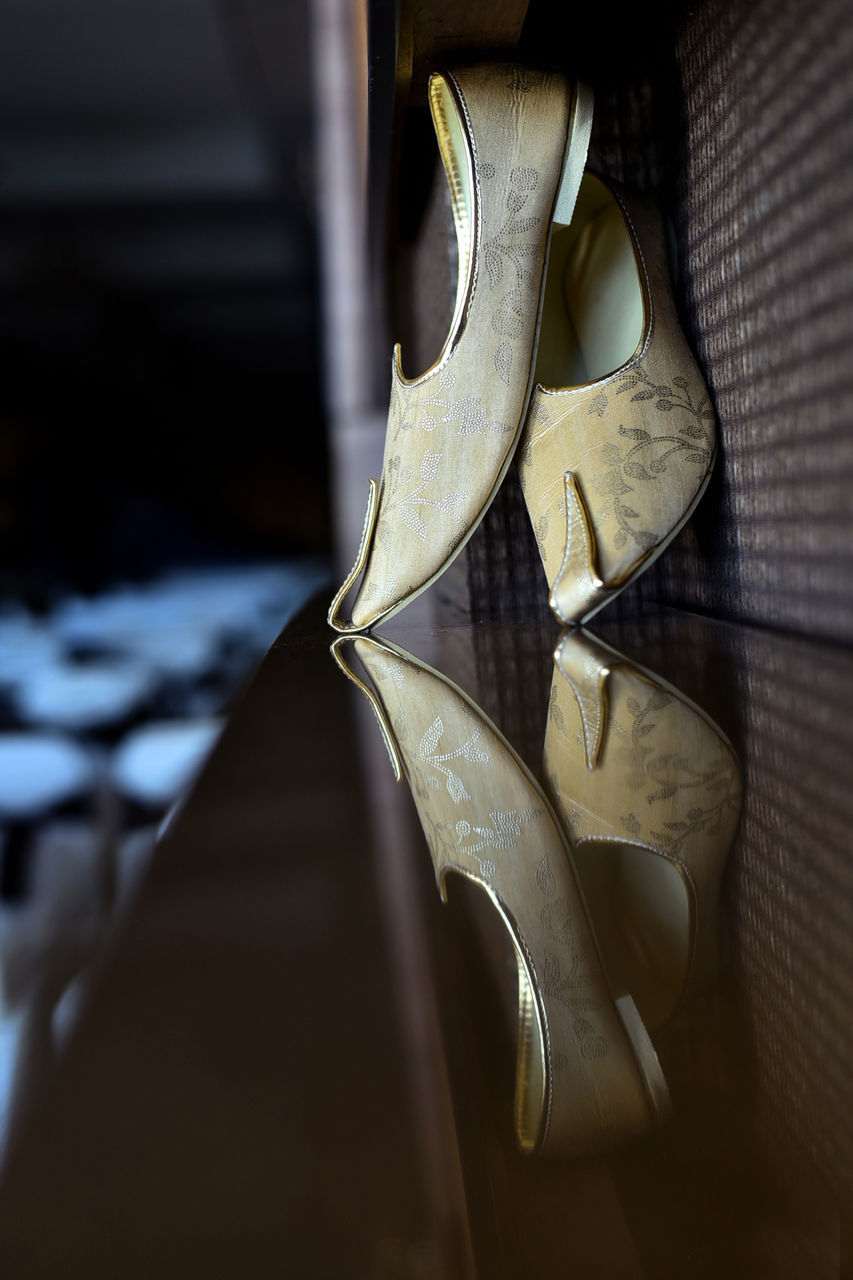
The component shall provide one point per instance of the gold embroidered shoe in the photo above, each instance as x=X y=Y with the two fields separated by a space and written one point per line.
x=514 y=144
x=587 y=1076
x=649 y=793
x=619 y=440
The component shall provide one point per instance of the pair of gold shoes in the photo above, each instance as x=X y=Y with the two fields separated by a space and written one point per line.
x=564 y=348
x=607 y=879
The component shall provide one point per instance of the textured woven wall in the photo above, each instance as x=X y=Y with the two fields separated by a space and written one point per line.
x=764 y=222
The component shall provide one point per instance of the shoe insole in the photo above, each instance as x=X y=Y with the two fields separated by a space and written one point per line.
x=639 y=905
x=593 y=312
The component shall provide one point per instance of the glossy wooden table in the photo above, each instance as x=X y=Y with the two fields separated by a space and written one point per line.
x=294 y=1061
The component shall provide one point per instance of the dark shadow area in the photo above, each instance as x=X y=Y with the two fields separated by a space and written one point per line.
x=158 y=318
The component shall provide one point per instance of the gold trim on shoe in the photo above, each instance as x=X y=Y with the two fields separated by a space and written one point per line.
x=513 y=143
x=464 y=200
x=375 y=705
x=360 y=560
x=587 y=1076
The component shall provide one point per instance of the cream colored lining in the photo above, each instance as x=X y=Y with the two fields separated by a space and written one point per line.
x=593 y=317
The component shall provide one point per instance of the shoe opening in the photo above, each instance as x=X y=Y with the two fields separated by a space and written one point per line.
x=455 y=153
x=594 y=315
x=639 y=904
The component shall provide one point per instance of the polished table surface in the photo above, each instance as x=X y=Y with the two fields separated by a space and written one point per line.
x=294 y=1059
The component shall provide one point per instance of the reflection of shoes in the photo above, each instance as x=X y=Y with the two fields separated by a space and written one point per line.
x=587 y=1076
x=513 y=143
x=619 y=440
x=649 y=791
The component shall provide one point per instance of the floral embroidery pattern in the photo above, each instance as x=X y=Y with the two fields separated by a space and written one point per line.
x=512 y=250
x=502 y=360
x=633 y=756
x=663 y=775
x=647 y=458
x=429 y=753
x=377 y=588
x=708 y=820
x=438 y=408
x=502 y=835
x=398 y=496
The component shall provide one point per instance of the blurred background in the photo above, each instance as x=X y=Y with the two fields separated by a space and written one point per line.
x=157 y=288
x=163 y=480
